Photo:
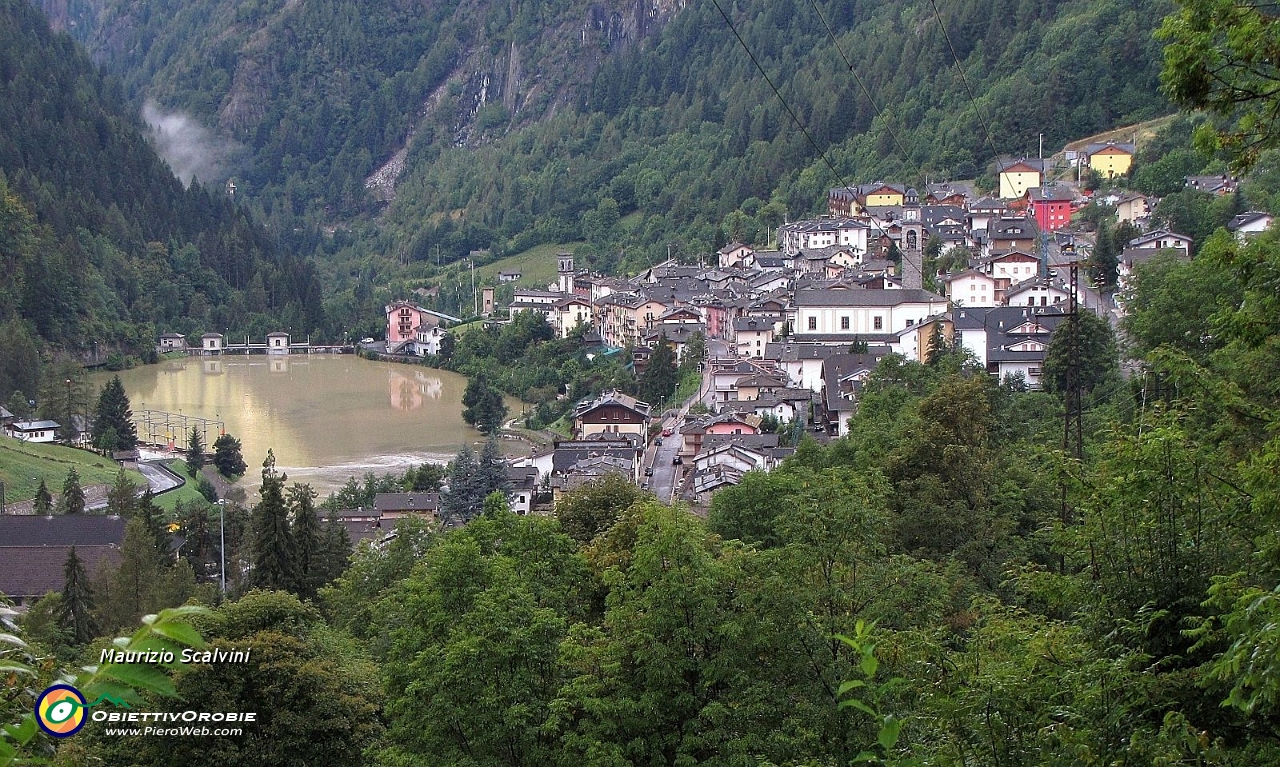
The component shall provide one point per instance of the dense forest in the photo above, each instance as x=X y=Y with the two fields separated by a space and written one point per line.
x=513 y=124
x=102 y=248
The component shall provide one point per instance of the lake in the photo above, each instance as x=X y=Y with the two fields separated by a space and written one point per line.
x=328 y=417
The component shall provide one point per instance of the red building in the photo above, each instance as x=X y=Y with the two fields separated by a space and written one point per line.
x=1051 y=206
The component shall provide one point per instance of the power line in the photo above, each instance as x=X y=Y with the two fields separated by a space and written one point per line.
x=865 y=91
x=839 y=179
x=777 y=93
x=986 y=127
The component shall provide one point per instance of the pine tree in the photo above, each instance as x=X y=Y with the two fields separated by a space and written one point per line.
x=195 y=452
x=72 y=500
x=75 y=613
x=227 y=456
x=306 y=540
x=938 y=346
x=660 y=377
x=128 y=591
x=491 y=471
x=44 y=501
x=122 y=498
x=113 y=427
x=272 y=550
x=335 y=549
x=463 y=498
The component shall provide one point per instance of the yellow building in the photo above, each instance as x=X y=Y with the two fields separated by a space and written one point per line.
x=878 y=195
x=1110 y=159
x=1017 y=177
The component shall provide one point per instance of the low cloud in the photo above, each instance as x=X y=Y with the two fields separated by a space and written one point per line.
x=192 y=150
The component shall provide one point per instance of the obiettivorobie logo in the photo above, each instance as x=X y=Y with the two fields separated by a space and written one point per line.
x=61 y=712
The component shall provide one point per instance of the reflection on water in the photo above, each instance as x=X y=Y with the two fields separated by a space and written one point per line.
x=327 y=417
x=407 y=392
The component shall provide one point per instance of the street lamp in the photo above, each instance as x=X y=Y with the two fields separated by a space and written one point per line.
x=222 y=542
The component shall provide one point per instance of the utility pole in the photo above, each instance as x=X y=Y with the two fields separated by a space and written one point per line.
x=222 y=542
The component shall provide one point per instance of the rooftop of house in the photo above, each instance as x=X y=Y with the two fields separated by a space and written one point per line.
x=32 y=571
x=612 y=397
x=1110 y=146
x=34 y=425
x=864 y=297
x=1053 y=193
x=61 y=530
x=1244 y=219
x=385 y=502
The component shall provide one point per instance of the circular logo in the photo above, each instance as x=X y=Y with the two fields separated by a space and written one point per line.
x=60 y=710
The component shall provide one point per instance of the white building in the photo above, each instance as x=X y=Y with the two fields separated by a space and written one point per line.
x=815 y=234
x=972 y=288
x=847 y=315
x=32 y=431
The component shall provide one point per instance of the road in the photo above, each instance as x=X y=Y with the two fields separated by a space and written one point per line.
x=664 y=480
x=159 y=478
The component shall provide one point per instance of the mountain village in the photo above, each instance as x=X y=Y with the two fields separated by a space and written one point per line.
x=793 y=333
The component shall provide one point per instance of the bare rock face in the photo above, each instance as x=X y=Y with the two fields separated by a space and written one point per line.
x=75 y=17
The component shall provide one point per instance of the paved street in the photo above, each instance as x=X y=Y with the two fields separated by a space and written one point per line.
x=659 y=457
x=159 y=478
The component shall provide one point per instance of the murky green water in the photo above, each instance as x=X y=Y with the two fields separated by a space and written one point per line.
x=327 y=417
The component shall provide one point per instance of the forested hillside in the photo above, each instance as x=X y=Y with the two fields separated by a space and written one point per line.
x=504 y=125
x=101 y=246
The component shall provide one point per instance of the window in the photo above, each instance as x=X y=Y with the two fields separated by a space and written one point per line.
x=813 y=323
x=844 y=323
x=877 y=323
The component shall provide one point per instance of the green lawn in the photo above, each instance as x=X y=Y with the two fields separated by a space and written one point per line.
x=24 y=464
x=537 y=265
x=187 y=492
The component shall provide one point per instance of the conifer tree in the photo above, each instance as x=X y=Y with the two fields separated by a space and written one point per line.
x=128 y=591
x=659 y=379
x=335 y=549
x=227 y=456
x=195 y=452
x=44 y=501
x=122 y=498
x=306 y=536
x=72 y=500
x=272 y=549
x=463 y=498
x=152 y=517
x=113 y=427
x=491 y=471
x=75 y=613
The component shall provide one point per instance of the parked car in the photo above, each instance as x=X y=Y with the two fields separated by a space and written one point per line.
x=658 y=441
x=677 y=461
x=648 y=471
x=666 y=432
